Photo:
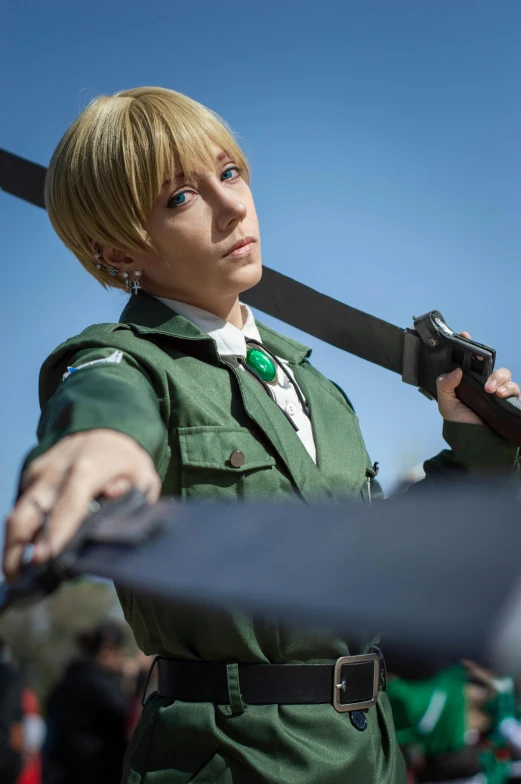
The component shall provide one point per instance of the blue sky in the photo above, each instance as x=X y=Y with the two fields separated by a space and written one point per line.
x=384 y=143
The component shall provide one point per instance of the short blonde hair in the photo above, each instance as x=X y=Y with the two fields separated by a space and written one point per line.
x=108 y=170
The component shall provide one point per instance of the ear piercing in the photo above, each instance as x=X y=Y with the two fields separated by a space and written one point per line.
x=132 y=281
x=97 y=256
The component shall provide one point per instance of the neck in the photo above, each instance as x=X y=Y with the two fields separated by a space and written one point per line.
x=229 y=309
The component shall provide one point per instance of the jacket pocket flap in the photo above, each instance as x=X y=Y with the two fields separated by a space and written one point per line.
x=222 y=449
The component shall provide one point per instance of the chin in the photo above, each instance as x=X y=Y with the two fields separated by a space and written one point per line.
x=246 y=276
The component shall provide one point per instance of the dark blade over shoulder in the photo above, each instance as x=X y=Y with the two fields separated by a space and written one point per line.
x=22 y=178
x=278 y=295
x=328 y=319
x=419 y=362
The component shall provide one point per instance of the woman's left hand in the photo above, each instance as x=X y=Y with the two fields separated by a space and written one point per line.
x=453 y=410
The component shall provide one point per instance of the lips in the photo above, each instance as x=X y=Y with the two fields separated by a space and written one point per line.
x=241 y=244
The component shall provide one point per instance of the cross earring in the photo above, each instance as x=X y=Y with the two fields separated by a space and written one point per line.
x=132 y=281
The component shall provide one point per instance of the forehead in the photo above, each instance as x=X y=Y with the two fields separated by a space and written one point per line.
x=199 y=167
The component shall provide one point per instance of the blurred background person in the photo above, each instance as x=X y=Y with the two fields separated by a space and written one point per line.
x=11 y=725
x=88 y=713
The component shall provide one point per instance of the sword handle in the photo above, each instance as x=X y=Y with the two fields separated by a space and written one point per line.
x=113 y=521
x=434 y=348
x=501 y=414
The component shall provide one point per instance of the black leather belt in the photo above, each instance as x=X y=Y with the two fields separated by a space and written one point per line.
x=351 y=684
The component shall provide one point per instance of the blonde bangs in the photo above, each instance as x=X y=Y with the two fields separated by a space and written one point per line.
x=108 y=170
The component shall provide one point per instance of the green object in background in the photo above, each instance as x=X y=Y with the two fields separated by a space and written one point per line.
x=502 y=706
x=430 y=713
x=494 y=770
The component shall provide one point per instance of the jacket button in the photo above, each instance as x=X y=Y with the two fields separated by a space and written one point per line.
x=237 y=459
x=358 y=720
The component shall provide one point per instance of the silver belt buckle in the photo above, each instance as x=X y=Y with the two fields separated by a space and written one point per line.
x=340 y=685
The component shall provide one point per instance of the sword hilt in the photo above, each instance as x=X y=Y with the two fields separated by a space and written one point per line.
x=437 y=349
x=113 y=521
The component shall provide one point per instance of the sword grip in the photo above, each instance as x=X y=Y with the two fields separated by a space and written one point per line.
x=501 y=414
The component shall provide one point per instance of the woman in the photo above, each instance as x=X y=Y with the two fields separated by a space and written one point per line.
x=150 y=191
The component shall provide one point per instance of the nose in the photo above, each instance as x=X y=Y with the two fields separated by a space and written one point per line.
x=229 y=211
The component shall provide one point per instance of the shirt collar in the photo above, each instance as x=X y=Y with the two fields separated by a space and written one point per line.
x=145 y=315
x=230 y=340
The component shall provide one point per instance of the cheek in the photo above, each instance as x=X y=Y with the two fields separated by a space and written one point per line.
x=187 y=233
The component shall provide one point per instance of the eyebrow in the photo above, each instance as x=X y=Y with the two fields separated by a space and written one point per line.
x=180 y=175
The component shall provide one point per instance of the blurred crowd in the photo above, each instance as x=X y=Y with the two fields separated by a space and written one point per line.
x=462 y=725
x=81 y=733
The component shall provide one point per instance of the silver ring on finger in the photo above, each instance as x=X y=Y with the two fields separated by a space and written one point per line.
x=44 y=514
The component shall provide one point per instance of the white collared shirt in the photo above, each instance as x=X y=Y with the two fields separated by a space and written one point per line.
x=231 y=343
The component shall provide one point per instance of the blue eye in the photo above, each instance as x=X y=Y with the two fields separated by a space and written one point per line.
x=233 y=170
x=178 y=199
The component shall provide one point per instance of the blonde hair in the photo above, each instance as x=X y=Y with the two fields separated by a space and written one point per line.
x=108 y=170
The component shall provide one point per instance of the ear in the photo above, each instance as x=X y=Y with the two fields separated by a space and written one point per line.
x=113 y=257
x=117 y=258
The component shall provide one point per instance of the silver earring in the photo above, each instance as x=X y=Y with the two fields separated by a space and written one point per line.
x=112 y=271
x=99 y=266
x=132 y=281
x=97 y=254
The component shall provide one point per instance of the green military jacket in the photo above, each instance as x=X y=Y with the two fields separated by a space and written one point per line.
x=163 y=383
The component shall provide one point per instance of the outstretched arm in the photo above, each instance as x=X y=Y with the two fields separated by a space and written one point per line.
x=100 y=433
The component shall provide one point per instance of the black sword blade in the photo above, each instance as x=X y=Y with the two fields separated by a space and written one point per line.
x=22 y=178
x=431 y=574
x=323 y=317
x=328 y=319
x=277 y=295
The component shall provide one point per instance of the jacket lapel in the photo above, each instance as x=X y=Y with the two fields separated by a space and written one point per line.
x=341 y=454
x=273 y=423
x=311 y=479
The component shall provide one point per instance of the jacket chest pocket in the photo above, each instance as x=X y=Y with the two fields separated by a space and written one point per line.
x=225 y=463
